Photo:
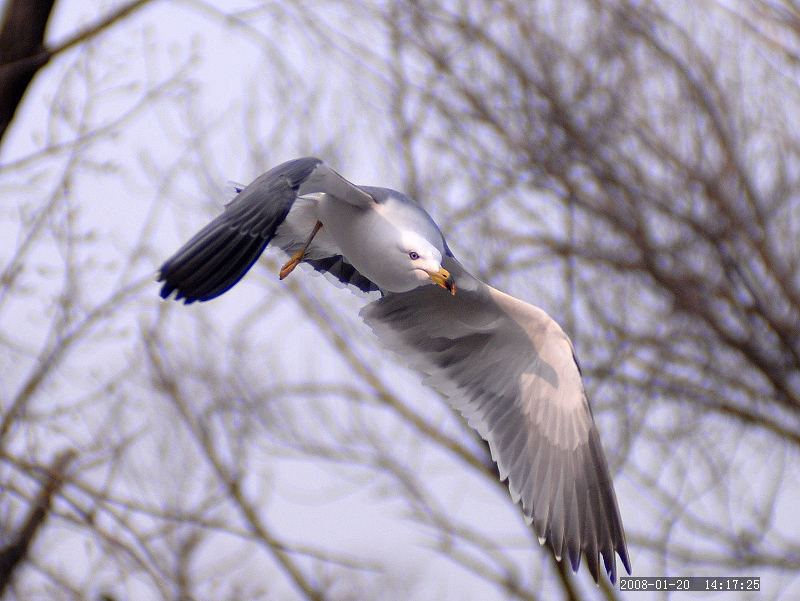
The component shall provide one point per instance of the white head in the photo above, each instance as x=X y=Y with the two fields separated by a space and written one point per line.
x=395 y=244
x=419 y=262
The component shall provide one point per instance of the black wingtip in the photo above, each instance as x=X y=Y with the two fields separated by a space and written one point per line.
x=622 y=551
x=210 y=263
x=609 y=563
x=166 y=288
x=591 y=561
x=169 y=287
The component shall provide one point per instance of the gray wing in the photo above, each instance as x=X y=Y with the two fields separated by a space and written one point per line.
x=220 y=254
x=324 y=179
x=510 y=370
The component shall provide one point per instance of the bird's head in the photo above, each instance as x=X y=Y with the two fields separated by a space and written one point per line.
x=423 y=261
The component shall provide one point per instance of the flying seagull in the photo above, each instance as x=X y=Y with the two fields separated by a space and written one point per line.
x=506 y=365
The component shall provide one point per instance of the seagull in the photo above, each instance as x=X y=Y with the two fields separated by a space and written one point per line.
x=504 y=364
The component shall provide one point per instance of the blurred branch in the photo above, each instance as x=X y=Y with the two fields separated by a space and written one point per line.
x=14 y=553
x=227 y=478
x=51 y=355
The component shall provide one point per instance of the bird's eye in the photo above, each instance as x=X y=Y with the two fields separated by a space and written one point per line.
x=414 y=255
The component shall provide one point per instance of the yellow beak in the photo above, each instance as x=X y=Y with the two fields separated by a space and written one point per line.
x=442 y=278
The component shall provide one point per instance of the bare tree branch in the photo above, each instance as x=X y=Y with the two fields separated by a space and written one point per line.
x=15 y=552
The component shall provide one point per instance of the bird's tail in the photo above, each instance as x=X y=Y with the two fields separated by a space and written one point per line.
x=211 y=262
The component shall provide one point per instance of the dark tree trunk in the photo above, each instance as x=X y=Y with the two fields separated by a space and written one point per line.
x=22 y=52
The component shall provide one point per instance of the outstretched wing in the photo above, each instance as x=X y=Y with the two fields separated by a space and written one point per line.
x=220 y=254
x=510 y=370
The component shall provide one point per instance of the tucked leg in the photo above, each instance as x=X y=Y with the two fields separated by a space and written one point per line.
x=297 y=257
